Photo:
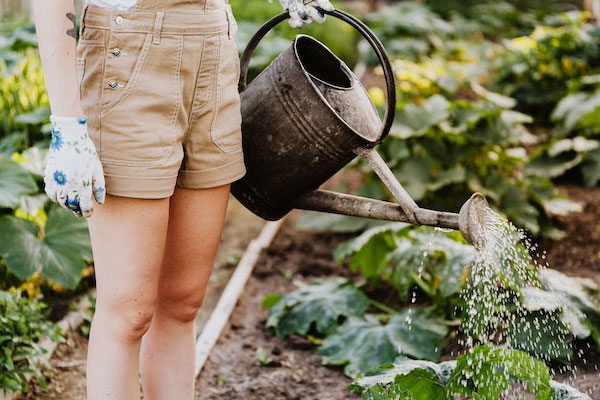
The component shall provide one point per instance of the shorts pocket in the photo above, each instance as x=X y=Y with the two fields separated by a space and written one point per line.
x=140 y=99
x=225 y=129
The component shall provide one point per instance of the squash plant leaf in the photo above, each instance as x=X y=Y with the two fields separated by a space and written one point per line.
x=14 y=182
x=543 y=335
x=402 y=366
x=321 y=303
x=362 y=344
x=59 y=251
x=391 y=392
x=418 y=384
x=486 y=372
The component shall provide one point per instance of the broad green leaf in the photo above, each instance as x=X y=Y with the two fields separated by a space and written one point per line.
x=59 y=251
x=562 y=391
x=39 y=116
x=14 y=182
x=496 y=98
x=414 y=173
x=369 y=250
x=535 y=299
x=413 y=120
x=546 y=166
x=422 y=385
x=574 y=107
x=35 y=160
x=386 y=373
x=542 y=335
x=455 y=174
x=591 y=168
x=31 y=203
x=391 y=392
x=362 y=344
x=486 y=372
x=321 y=304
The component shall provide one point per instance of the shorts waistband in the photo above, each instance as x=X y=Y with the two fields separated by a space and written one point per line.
x=178 y=22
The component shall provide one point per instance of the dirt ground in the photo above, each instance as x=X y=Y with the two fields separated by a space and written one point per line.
x=232 y=371
x=579 y=252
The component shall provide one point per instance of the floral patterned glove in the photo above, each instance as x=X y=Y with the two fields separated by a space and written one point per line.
x=73 y=173
x=305 y=13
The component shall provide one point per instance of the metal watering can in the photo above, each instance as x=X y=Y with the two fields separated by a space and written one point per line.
x=305 y=117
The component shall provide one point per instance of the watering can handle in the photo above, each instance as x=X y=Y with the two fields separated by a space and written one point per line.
x=363 y=30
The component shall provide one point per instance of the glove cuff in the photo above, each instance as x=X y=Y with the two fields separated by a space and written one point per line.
x=69 y=127
x=65 y=121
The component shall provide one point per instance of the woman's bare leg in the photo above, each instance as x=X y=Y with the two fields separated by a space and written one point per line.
x=168 y=348
x=128 y=239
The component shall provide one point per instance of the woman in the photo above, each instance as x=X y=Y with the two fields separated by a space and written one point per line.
x=154 y=84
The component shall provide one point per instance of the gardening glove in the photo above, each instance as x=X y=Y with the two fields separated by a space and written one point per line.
x=305 y=11
x=73 y=173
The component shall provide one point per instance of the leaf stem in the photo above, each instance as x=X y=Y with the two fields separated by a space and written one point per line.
x=382 y=307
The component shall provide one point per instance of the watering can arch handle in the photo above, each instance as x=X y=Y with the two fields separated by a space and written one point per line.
x=363 y=29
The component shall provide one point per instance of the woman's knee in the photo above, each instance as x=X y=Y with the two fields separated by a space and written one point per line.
x=126 y=320
x=182 y=305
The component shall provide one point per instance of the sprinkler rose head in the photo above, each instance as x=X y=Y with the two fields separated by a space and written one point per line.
x=472 y=220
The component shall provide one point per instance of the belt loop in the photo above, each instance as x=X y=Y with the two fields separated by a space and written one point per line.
x=157 y=27
x=81 y=23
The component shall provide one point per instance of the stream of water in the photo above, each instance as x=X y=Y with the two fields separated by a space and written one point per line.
x=494 y=313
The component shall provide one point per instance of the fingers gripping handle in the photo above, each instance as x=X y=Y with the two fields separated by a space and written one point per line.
x=363 y=30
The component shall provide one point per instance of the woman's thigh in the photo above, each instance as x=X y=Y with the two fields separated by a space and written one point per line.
x=128 y=238
x=195 y=225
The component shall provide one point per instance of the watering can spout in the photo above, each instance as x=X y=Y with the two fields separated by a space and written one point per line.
x=470 y=221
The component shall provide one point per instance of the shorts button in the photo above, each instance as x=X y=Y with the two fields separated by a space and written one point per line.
x=116 y=52
x=119 y=20
x=113 y=84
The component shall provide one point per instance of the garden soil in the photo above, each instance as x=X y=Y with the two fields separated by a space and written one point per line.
x=232 y=370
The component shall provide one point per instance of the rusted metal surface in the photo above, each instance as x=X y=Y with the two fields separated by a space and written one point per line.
x=346 y=204
x=294 y=139
x=472 y=220
x=378 y=165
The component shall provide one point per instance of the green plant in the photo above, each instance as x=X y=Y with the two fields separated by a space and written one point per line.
x=361 y=344
x=15 y=37
x=251 y=14
x=23 y=323
x=321 y=304
x=483 y=373
x=262 y=358
x=535 y=69
x=37 y=234
x=575 y=143
x=405 y=257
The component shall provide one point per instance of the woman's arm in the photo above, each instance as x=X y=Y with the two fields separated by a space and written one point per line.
x=73 y=176
x=57 y=38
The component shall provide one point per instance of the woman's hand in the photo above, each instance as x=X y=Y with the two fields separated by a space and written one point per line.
x=73 y=174
x=302 y=12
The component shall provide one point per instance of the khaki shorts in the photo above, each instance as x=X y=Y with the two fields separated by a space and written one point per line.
x=159 y=88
